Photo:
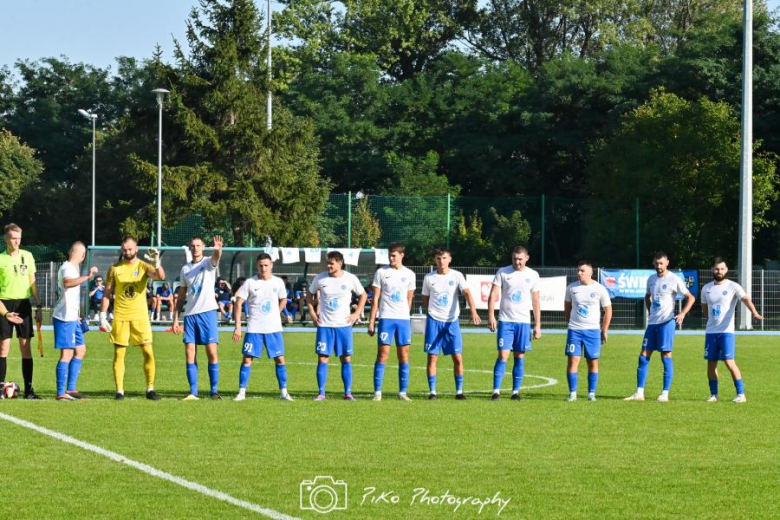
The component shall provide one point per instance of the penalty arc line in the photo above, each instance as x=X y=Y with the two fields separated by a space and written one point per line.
x=149 y=470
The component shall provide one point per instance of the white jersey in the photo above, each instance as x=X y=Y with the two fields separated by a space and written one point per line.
x=335 y=297
x=199 y=280
x=442 y=291
x=516 y=293
x=663 y=291
x=721 y=301
x=395 y=285
x=586 y=302
x=67 y=308
x=262 y=302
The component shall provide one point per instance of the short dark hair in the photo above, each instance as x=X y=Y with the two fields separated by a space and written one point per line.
x=585 y=262
x=441 y=251
x=129 y=237
x=335 y=255
x=659 y=255
x=718 y=260
x=396 y=247
x=197 y=237
x=519 y=249
x=264 y=256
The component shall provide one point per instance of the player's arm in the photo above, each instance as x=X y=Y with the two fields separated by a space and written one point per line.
x=239 y=309
x=648 y=301
x=312 y=308
x=108 y=293
x=536 y=303
x=75 y=282
x=217 y=251
x=374 y=310
x=474 y=314
x=492 y=324
x=690 y=299
x=12 y=317
x=566 y=310
x=749 y=304
x=605 y=323
x=355 y=316
x=425 y=301
x=410 y=298
x=181 y=294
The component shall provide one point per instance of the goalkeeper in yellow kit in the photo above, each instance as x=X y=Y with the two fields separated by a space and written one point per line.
x=126 y=280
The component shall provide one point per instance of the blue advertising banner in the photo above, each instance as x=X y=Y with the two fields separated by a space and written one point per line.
x=632 y=283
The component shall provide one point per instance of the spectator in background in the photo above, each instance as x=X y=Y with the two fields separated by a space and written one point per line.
x=290 y=307
x=163 y=296
x=223 y=293
x=300 y=299
x=96 y=293
x=236 y=286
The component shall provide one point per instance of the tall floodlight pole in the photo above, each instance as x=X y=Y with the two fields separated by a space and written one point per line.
x=268 y=108
x=160 y=93
x=746 y=165
x=93 y=118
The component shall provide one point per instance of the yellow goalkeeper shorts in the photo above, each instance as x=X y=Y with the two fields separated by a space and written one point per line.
x=135 y=332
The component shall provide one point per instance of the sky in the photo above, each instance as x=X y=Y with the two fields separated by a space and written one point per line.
x=97 y=31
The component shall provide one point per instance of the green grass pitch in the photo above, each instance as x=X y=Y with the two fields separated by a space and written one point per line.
x=552 y=459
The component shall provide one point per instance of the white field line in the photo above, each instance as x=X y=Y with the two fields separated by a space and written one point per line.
x=149 y=470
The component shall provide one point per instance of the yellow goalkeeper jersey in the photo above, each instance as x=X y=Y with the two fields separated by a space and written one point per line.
x=129 y=282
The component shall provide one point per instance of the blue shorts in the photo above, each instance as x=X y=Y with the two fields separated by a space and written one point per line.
x=334 y=340
x=587 y=340
x=400 y=330
x=67 y=334
x=255 y=341
x=443 y=337
x=719 y=347
x=514 y=336
x=201 y=328
x=659 y=337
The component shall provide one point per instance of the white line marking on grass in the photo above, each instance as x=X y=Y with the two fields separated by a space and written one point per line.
x=149 y=470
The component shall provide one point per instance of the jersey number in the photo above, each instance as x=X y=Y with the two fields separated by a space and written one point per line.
x=247 y=347
x=571 y=348
x=383 y=336
x=322 y=346
x=500 y=342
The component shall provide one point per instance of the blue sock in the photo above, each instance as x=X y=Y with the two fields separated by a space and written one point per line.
x=432 y=383
x=281 y=376
x=518 y=371
x=713 y=387
x=572 y=378
x=403 y=377
x=243 y=376
x=740 y=386
x=192 y=377
x=346 y=377
x=593 y=381
x=641 y=371
x=458 y=384
x=498 y=373
x=379 y=375
x=322 y=377
x=214 y=377
x=62 y=374
x=74 y=369
x=668 y=372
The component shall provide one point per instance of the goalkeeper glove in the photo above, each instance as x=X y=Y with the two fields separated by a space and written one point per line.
x=153 y=256
x=104 y=324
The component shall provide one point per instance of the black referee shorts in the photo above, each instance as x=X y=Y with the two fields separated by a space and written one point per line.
x=24 y=330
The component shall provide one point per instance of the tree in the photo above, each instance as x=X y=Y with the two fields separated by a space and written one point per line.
x=366 y=231
x=681 y=158
x=19 y=168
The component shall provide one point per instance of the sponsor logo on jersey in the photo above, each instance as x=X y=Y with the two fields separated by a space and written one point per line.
x=266 y=306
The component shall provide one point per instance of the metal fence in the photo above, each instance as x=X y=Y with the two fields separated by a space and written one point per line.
x=626 y=313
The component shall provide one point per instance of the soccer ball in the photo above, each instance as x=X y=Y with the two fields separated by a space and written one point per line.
x=10 y=391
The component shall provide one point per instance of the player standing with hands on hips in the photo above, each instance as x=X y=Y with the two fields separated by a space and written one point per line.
x=662 y=289
x=394 y=287
x=719 y=300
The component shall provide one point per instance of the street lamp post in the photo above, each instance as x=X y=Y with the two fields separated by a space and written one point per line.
x=746 y=165
x=160 y=93
x=93 y=118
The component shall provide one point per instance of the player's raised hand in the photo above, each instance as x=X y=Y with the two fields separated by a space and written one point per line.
x=217 y=243
x=492 y=323
x=93 y=271
x=153 y=257
x=14 y=318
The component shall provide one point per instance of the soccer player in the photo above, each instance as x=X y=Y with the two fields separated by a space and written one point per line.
x=394 y=287
x=334 y=289
x=442 y=327
x=68 y=336
x=200 y=314
x=17 y=285
x=582 y=303
x=265 y=296
x=719 y=300
x=126 y=280
x=519 y=286
x=662 y=289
